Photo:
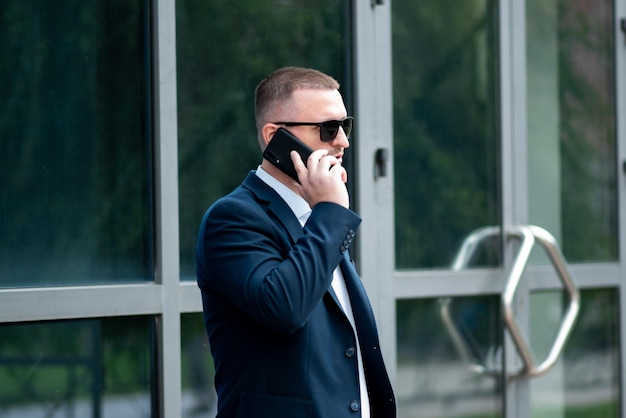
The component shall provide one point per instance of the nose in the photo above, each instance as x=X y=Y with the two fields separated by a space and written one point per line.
x=341 y=140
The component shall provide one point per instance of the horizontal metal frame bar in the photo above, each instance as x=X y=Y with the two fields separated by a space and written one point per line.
x=73 y=302
x=190 y=298
x=472 y=282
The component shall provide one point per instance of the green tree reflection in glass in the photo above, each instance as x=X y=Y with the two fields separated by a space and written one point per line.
x=75 y=192
x=445 y=123
x=223 y=50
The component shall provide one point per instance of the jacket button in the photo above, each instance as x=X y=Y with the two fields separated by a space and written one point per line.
x=350 y=352
x=354 y=406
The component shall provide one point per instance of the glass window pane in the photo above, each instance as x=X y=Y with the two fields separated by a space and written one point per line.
x=446 y=153
x=199 y=397
x=572 y=182
x=449 y=357
x=75 y=197
x=585 y=381
x=222 y=54
x=86 y=368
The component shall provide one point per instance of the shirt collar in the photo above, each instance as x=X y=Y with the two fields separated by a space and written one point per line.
x=296 y=203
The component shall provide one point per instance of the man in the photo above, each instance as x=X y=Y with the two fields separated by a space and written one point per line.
x=290 y=326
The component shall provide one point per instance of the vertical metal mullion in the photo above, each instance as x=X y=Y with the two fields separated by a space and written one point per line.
x=512 y=47
x=620 y=106
x=372 y=63
x=168 y=373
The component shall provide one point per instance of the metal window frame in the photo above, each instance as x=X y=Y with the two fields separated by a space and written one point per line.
x=620 y=86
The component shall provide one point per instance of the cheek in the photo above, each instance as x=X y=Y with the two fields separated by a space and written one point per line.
x=312 y=139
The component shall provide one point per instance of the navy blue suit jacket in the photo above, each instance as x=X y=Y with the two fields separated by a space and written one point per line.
x=282 y=345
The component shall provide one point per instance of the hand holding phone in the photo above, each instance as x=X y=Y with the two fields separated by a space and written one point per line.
x=330 y=177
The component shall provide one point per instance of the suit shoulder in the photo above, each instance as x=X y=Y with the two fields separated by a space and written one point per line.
x=237 y=203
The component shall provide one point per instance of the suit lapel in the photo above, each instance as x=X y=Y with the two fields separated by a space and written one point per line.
x=275 y=204
x=361 y=308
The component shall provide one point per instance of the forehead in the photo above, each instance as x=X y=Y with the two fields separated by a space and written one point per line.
x=321 y=104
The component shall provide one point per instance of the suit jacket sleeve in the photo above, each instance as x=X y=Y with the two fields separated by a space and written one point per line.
x=276 y=274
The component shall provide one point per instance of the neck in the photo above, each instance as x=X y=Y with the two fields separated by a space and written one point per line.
x=280 y=176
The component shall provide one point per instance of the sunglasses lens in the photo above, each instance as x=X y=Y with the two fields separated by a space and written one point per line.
x=330 y=129
x=347 y=126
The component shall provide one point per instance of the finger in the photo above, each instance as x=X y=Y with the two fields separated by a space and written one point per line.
x=298 y=164
x=340 y=172
x=324 y=164
x=330 y=160
x=316 y=157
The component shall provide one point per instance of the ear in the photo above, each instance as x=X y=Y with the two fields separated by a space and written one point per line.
x=268 y=131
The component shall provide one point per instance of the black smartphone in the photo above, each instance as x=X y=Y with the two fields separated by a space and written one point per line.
x=277 y=151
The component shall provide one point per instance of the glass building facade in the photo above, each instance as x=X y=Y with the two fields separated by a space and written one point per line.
x=121 y=121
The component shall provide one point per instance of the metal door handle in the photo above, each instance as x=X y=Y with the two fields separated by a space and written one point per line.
x=463 y=258
x=532 y=234
x=528 y=235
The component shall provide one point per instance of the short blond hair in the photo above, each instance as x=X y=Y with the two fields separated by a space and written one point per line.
x=280 y=85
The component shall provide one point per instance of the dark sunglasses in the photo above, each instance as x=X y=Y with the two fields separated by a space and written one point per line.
x=328 y=129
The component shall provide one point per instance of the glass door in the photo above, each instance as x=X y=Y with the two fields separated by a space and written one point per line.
x=447 y=192
x=501 y=196
x=572 y=191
